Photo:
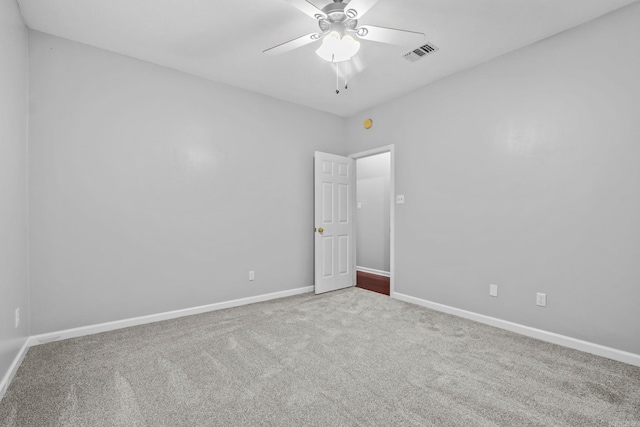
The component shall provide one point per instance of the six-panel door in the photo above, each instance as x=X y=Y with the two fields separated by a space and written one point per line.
x=334 y=234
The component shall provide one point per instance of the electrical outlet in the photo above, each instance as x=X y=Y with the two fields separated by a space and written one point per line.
x=17 y=318
x=541 y=299
x=493 y=290
x=400 y=199
x=252 y=275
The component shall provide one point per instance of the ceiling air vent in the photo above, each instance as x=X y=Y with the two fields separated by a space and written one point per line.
x=420 y=52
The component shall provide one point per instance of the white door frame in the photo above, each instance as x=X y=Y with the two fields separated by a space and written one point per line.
x=392 y=209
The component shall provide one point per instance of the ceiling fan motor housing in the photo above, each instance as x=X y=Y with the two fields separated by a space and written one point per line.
x=337 y=19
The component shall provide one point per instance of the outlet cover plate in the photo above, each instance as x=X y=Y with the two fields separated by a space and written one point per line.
x=493 y=290
x=541 y=299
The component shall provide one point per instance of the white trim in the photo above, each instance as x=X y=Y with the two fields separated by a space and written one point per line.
x=597 y=349
x=392 y=207
x=563 y=340
x=125 y=323
x=373 y=271
x=6 y=380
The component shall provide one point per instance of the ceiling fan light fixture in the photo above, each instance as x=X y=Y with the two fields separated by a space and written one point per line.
x=337 y=49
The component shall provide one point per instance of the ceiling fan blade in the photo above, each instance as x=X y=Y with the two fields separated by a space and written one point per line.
x=388 y=35
x=307 y=8
x=360 y=7
x=292 y=44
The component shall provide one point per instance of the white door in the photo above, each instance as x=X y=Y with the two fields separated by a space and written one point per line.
x=334 y=227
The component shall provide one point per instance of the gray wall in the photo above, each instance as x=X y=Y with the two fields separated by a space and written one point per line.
x=13 y=183
x=152 y=190
x=373 y=175
x=524 y=172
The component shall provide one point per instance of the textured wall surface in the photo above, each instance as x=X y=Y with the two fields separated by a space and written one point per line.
x=13 y=183
x=153 y=190
x=373 y=214
x=523 y=172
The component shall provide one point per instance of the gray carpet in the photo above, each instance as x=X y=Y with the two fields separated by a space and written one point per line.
x=347 y=358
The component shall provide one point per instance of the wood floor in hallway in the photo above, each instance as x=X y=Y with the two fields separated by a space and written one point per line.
x=373 y=282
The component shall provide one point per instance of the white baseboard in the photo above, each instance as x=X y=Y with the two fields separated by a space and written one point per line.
x=125 y=323
x=6 y=380
x=597 y=349
x=576 y=344
x=374 y=271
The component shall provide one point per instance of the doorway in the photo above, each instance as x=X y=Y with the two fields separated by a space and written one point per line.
x=374 y=219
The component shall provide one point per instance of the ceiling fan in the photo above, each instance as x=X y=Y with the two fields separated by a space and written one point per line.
x=338 y=22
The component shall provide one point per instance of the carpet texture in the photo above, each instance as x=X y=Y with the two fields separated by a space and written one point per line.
x=347 y=358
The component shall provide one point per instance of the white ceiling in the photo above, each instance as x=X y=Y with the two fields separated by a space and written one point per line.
x=223 y=40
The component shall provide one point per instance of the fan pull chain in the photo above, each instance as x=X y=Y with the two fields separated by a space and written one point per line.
x=346 y=75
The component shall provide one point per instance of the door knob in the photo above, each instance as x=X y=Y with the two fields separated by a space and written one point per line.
x=320 y=230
